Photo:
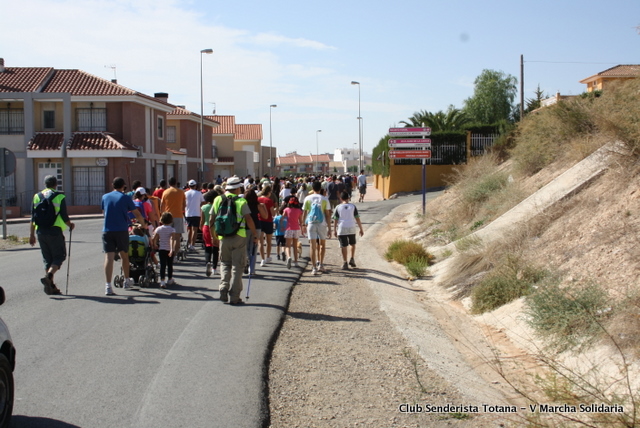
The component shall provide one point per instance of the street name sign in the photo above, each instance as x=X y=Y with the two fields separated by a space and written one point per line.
x=409 y=154
x=410 y=132
x=424 y=143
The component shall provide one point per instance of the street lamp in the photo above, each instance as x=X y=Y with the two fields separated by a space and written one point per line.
x=271 y=107
x=201 y=178
x=317 y=150
x=359 y=128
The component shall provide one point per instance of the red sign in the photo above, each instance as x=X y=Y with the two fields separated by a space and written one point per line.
x=410 y=142
x=409 y=154
x=408 y=132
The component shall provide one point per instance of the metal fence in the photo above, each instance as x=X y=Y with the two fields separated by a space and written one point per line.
x=444 y=153
x=480 y=143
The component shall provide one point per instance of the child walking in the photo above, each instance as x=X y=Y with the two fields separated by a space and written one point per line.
x=295 y=227
x=211 y=243
x=164 y=240
x=346 y=221
x=279 y=226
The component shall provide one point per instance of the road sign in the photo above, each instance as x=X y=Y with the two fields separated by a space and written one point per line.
x=424 y=143
x=409 y=132
x=409 y=154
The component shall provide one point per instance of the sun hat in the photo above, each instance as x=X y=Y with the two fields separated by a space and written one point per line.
x=234 y=183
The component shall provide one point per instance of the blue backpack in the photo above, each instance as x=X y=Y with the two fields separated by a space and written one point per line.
x=315 y=215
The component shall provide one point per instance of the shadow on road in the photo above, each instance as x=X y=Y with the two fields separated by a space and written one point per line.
x=36 y=422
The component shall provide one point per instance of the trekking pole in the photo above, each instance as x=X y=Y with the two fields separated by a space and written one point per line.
x=253 y=257
x=66 y=290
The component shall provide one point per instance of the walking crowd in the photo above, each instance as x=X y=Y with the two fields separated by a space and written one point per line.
x=235 y=220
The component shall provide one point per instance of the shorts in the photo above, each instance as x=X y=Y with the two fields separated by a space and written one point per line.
x=334 y=203
x=267 y=227
x=317 y=231
x=362 y=189
x=281 y=240
x=178 y=225
x=193 y=222
x=346 y=240
x=114 y=242
x=53 y=249
x=206 y=236
x=292 y=234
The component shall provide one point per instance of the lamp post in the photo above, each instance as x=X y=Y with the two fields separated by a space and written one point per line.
x=359 y=128
x=317 y=150
x=201 y=178
x=271 y=107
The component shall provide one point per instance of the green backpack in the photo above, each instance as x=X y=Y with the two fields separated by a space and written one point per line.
x=226 y=222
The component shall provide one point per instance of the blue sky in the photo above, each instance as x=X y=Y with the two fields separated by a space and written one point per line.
x=302 y=56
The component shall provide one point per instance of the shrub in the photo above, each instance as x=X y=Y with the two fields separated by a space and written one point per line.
x=567 y=316
x=510 y=280
x=411 y=255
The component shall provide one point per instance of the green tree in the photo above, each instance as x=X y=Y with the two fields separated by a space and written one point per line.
x=493 y=97
x=534 y=103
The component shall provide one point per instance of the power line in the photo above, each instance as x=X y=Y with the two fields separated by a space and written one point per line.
x=575 y=62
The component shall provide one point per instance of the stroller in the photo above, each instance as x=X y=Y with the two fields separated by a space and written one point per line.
x=141 y=268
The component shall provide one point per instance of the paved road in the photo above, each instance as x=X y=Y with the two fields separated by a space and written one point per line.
x=147 y=357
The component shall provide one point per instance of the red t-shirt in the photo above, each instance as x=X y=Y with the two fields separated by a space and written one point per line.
x=268 y=202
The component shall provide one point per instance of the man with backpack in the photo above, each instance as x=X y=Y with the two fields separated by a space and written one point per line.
x=317 y=214
x=230 y=217
x=49 y=219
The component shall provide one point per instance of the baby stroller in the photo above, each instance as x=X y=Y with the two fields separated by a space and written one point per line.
x=141 y=267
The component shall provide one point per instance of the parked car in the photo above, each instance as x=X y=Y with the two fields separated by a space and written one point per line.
x=7 y=365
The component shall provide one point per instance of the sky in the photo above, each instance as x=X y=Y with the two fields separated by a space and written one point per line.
x=303 y=55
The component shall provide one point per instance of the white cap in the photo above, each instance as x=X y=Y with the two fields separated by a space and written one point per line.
x=192 y=182
x=141 y=190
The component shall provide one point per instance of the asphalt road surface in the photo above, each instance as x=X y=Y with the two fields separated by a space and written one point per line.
x=146 y=357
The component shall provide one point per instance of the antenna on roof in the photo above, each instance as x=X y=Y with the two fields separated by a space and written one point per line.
x=115 y=77
x=214 y=107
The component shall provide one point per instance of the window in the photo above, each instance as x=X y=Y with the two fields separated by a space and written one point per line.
x=49 y=119
x=88 y=185
x=171 y=134
x=91 y=119
x=160 y=127
x=11 y=121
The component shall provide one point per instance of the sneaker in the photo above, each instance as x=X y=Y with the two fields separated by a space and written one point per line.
x=237 y=302
x=171 y=281
x=278 y=256
x=213 y=272
x=295 y=264
x=55 y=290
x=262 y=263
x=127 y=283
x=322 y=269
x=283 y=256
x=314 y=271
x=209 y=269
x=108 y=290
x=352 y=262
x=163 y=284
x=224 y=296
x=317 y=265
x=345 y=265
x=268 y=260
x=289 y=263
x=46 y=281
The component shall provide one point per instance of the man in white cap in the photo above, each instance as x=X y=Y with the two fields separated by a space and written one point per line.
x=195 y=199
x=233 y=248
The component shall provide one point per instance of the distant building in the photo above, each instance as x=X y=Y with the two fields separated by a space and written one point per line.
x=293 y=163
x=599 y=81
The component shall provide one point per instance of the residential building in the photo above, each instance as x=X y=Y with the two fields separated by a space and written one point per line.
x=599 y=81
x=294 y=163
x=237 y=148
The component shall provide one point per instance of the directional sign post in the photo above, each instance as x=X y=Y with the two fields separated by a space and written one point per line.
x=405 y=143
x=409 y=154
x=409 y=132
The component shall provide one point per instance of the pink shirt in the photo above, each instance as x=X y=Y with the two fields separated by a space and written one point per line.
x=293 y=218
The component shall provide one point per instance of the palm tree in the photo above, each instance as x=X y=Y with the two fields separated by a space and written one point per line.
x=452 y=120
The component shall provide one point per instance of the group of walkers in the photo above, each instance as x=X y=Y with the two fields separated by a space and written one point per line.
x=236 y=219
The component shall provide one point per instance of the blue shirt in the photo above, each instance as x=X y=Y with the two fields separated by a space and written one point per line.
x=116 y=206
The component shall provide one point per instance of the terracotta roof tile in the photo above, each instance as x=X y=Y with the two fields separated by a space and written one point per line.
x=248 y=132
x=78 y=82
x=227 y=124
x=23 y=79
x=619 y=71
x=46 y=141
x=97 y=141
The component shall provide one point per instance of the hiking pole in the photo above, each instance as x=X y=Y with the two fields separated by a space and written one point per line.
x=251 y=261
x=66 y=289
